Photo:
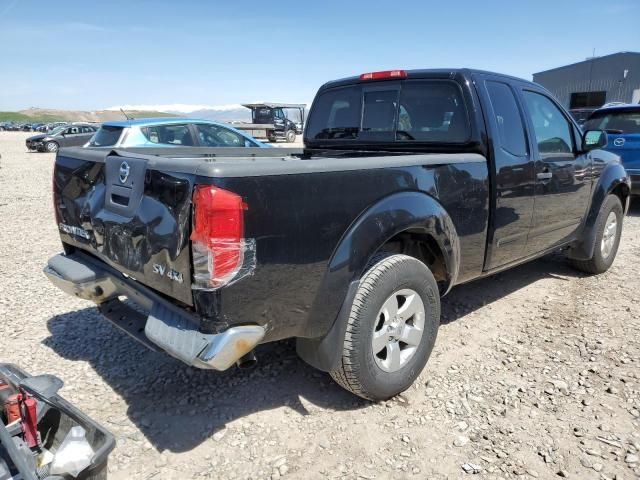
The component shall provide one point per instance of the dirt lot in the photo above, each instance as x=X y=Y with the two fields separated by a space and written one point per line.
x=535 y=374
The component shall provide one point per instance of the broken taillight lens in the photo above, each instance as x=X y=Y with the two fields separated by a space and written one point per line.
x=217 y=237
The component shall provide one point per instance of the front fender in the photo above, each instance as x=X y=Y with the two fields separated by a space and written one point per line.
x=415 y=211
x=611 y=177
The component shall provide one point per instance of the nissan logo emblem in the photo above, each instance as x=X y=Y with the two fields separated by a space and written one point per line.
x=618 y=142
x=124 y=171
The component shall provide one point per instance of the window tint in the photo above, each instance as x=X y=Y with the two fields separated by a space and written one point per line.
x=215 y=136
x=427 y=111
x=106 y=136
x=432 y=111
x=336 y=114
x=379 y=113
x=621 y=121
x=88 y=130
x=73 y=130
x=551 y=128
x=262 y=115
x=507 y=117
x=168 y=134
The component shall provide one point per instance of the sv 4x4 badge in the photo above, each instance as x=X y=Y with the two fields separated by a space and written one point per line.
x=170 y=273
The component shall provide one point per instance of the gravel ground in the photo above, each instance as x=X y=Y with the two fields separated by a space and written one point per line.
x=534 y=375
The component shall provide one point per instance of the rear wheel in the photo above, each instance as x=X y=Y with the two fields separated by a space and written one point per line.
x=608 y=232
x=391 y=329
x=291 y=136
x=51 y=147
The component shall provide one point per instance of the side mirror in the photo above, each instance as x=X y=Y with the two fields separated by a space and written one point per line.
x=593 y=139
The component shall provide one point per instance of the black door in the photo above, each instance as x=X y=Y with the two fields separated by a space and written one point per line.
x=563 y=184
x=514 y=169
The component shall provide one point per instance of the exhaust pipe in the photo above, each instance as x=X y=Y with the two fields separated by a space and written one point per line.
x=248 y=360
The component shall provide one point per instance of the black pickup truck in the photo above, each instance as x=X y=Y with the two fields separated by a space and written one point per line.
x=410 y=182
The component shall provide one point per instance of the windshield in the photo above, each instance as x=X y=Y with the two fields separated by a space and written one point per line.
x=57 y=130
x=616 y=121
x=106 y=136
x=430 y=111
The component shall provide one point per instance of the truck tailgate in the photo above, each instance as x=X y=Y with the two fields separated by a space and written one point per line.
x=132 y=215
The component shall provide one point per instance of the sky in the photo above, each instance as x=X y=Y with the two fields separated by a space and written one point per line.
x=85 y=55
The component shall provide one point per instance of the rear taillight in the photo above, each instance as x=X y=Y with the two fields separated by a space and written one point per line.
x=386 y=75
x=217 y=238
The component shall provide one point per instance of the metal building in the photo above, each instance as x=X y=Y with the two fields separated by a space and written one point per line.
x=596 y=81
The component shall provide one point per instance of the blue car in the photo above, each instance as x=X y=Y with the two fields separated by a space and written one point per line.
x=622 y=124
x=170 y=131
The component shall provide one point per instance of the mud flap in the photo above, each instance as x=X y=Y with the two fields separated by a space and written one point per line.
x=325 y=353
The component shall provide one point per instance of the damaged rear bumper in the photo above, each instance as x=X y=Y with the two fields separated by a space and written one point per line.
x=157 y=323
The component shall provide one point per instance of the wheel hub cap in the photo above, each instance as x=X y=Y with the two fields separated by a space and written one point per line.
x=398 y=330
x=609 y=235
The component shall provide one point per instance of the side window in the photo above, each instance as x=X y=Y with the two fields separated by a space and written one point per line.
x=214 y=136
x=551 y=128
x=74 y=130
x=508 y=119
x=168 y=134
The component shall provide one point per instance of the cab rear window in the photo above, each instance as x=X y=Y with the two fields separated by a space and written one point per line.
x=106 y=136
x=430 y=111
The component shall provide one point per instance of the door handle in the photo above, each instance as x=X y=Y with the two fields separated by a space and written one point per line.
x=544 y=175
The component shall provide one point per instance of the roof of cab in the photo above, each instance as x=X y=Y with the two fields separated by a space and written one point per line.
x=146 y=122
x=442 y=73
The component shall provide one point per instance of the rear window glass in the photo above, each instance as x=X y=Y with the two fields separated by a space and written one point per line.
x=507 y=118
x=106 y=136
x=262 y=115
x=615 y=121
x=424 y=111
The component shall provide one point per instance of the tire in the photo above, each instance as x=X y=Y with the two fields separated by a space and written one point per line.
x=383 y=374
x=290 y=136
x=51 y=147
x=607 y=238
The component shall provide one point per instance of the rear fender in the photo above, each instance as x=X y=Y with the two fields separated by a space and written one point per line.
x=612 y=178
x=400 y=212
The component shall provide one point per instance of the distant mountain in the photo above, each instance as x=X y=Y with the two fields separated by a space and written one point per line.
x=53 y=115
x=219 y=113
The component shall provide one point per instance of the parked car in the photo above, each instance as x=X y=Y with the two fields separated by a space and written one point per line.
x=581 y=114
x=75 y=134
x=411 y=182
x=154 y=132
x=8 y=127
x=622 y=124
x=47 y=127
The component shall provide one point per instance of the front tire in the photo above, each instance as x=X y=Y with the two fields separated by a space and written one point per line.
x=391 y=330
x=608 y=231
x=291 y=136
x=51 y=147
